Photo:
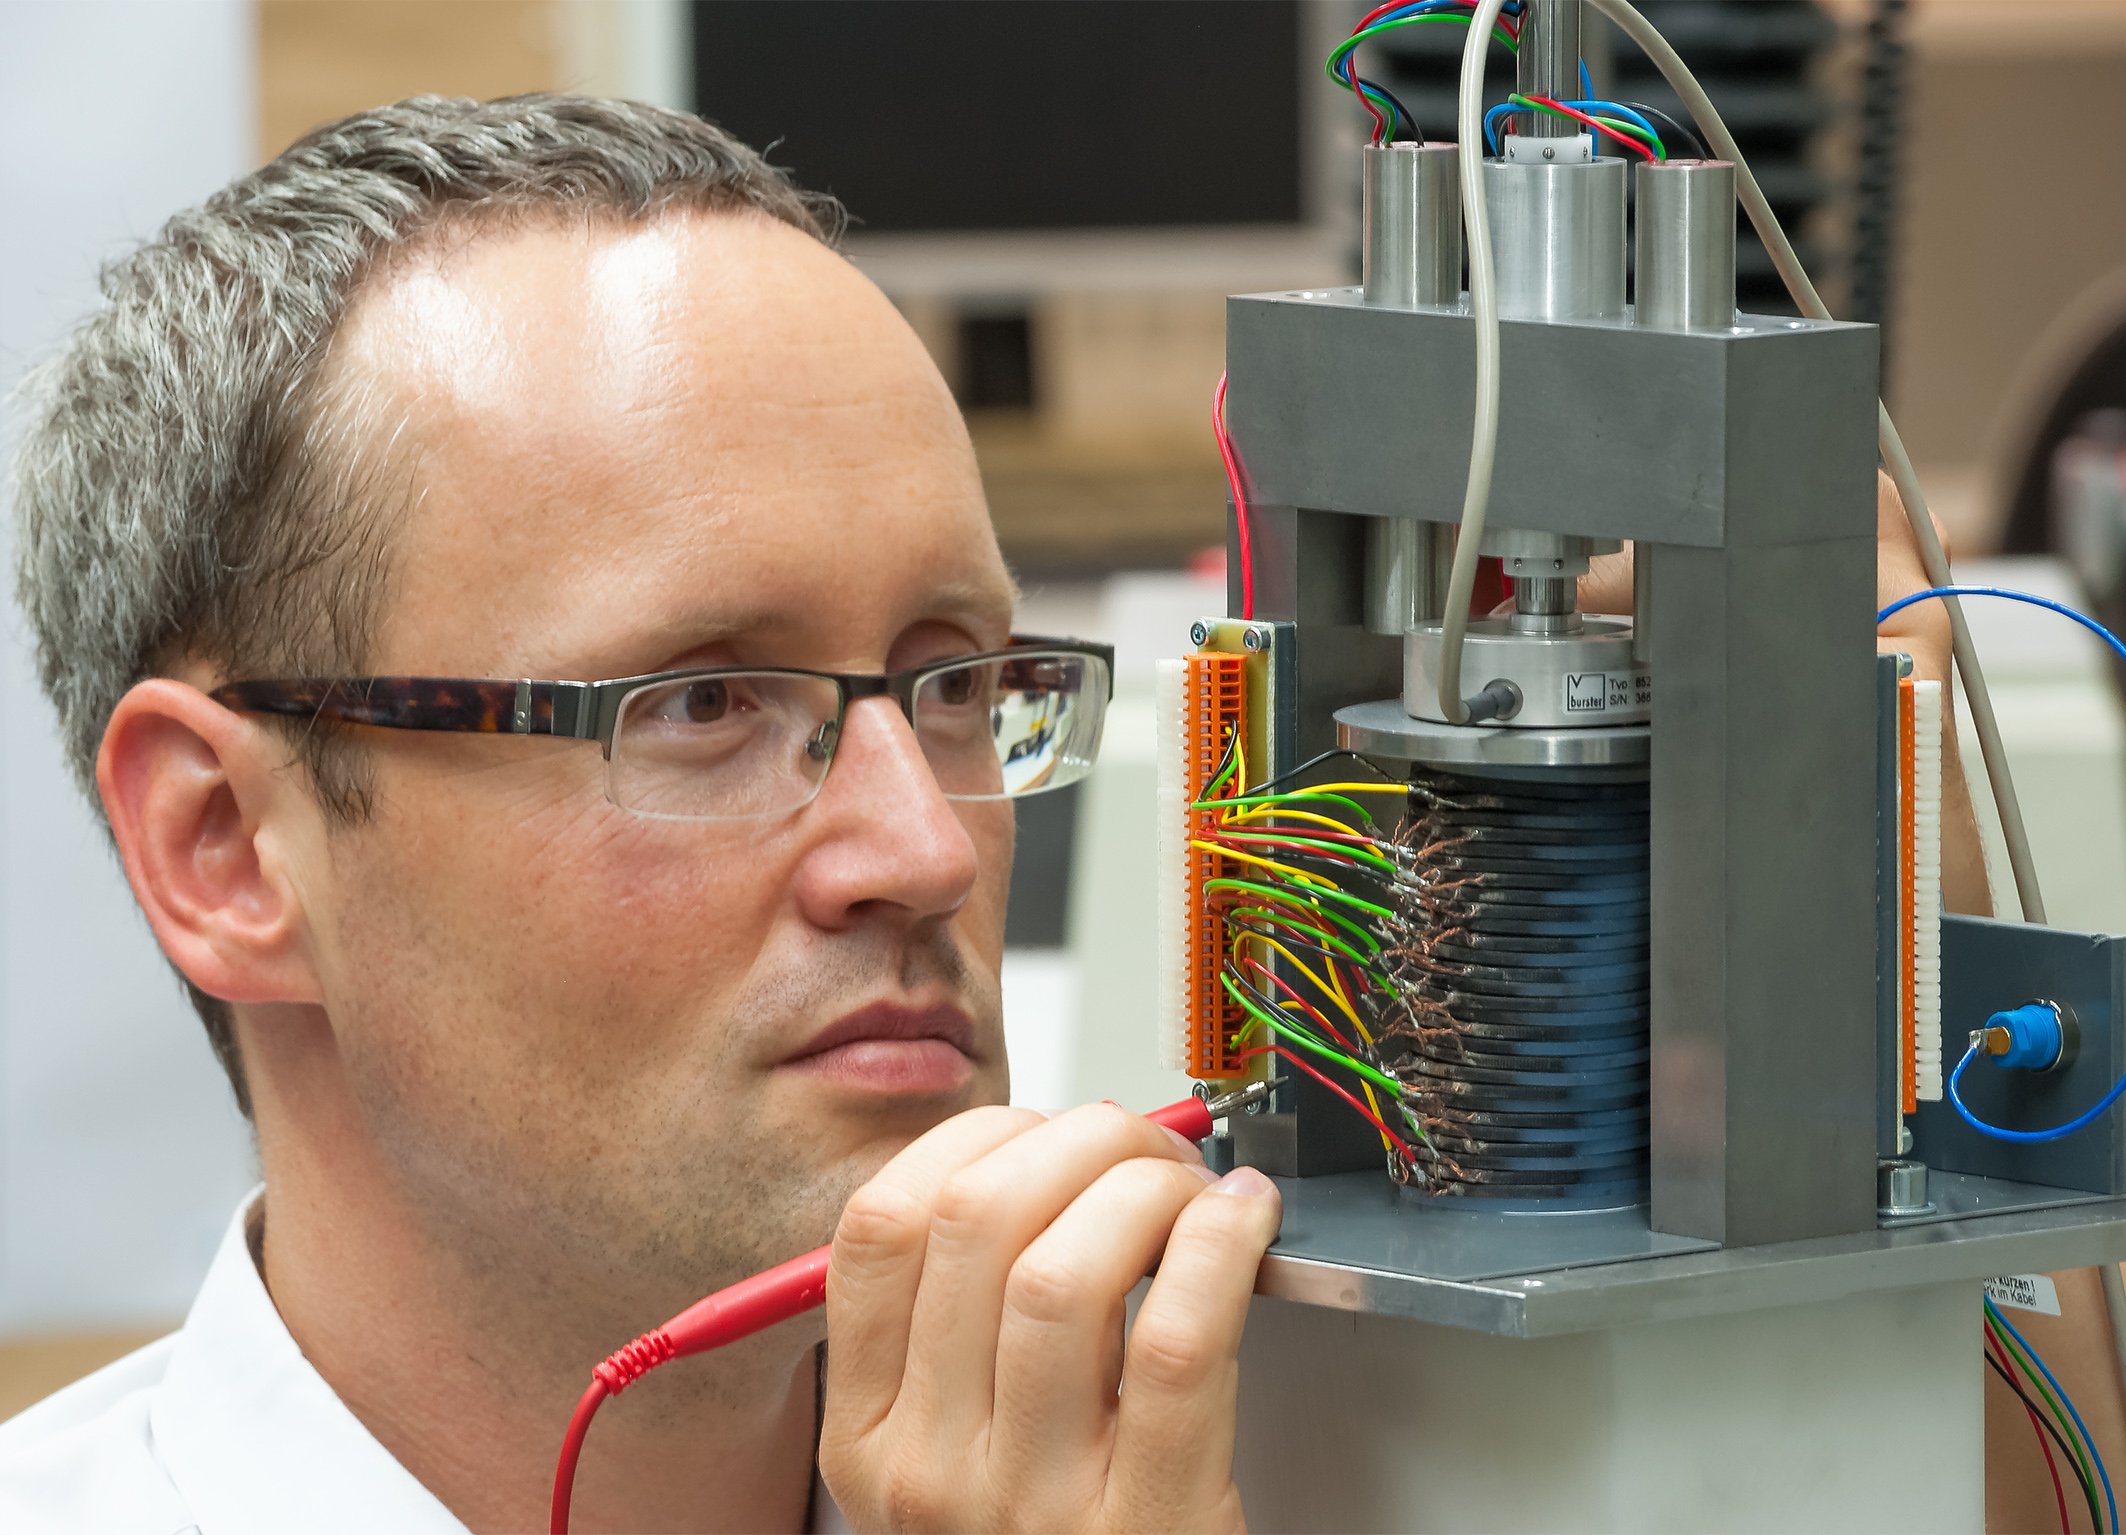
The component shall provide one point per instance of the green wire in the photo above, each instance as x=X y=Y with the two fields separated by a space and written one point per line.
x=1633 y=130
x=1297 y=796
x=1332 y=893
x=1301 y=1037
x=1328 y=939
x=2014 y=1351
x=1343 y=849
x=1343 y=50
x=1257 y=887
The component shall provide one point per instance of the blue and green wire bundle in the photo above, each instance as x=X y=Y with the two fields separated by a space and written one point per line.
x=1391 y=119
x=2060 y=1419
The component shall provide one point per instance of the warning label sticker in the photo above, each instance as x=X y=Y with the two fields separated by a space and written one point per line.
x=2025 y=1292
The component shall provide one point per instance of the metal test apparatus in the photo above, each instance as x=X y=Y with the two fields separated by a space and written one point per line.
x=1683 y=1233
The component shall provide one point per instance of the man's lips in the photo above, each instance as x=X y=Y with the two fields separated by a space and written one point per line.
x=892 y=1048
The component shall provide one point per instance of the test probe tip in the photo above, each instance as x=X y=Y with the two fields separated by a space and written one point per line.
x=1240 y=1098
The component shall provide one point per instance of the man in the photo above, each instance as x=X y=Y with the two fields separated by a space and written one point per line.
x=542 y=1042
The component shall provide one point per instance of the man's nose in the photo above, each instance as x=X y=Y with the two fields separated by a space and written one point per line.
x=884 y=839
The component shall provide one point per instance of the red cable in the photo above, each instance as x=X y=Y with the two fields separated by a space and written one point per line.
x=1251 y=844
x=2059 y=1493
x=1307 y=936
x=1625 y=139
x=1311 y=1010
x=1374 y=1119
x=1240 y=502
x=739 y=1311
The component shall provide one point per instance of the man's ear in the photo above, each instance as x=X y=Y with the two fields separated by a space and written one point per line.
x=206 y=827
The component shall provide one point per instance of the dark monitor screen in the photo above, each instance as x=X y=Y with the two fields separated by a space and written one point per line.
x=948 y=115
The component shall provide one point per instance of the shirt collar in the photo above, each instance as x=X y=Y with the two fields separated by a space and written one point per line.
x=253 y=1438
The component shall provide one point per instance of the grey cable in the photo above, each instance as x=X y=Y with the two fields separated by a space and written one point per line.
x=1932 y=559
x=1899 y=464
x=1484 y=308
x=2115 y=1309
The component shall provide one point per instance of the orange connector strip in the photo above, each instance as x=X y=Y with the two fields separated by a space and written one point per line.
x=1214 y=708
x=1908 y=874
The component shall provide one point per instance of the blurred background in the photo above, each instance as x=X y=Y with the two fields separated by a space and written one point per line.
x=1058 y=193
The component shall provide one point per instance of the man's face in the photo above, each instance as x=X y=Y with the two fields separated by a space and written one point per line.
x=573 y=1031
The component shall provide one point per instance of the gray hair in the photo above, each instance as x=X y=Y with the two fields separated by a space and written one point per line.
x=193 y=485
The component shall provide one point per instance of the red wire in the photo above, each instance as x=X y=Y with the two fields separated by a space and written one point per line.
x=1240 y=502
x=1310 y=832
x=1311 y=936
x=1512 y=27
x=2059 y=1493
x=579 y=1424
x=1374 y=1119
x=1247 y=844
x=740 y=1310
x=1312 y=1011
x=1625 y=139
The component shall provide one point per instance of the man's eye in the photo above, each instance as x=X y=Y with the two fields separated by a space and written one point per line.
x=956 y=687
x=705 y=702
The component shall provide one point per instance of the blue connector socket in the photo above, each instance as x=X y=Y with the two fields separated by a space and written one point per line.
x=2026 y=1038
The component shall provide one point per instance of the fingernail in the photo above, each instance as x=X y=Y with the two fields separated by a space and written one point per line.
x=1246 y=1182
x=1201 y=1171
x=1194 y=1151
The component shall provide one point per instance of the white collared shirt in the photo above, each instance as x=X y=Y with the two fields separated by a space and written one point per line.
x=222 y=1428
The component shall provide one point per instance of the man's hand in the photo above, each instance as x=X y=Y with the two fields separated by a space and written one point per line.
x=977 y=1374
x=1920 y=631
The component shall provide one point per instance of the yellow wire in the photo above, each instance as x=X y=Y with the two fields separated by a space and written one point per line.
x=1267 y=812
x=1301 y=966
x=1354 y=788
x=1300 y=875
x=1264 y=812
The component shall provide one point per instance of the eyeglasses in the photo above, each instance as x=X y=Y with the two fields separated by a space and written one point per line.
x=725 y=743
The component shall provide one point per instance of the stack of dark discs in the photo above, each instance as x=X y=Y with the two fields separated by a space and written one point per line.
x=1522 y=960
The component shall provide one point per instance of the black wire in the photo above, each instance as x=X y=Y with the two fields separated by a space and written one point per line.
x=1314 y=762
x=1335 y=868
x=1415 y=132
x=1667 y=123
x=1364 y=967
x=2088 y=1493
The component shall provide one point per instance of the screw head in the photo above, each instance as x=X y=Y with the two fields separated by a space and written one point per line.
x=1197 y=634
x=1550 y=154
x=1253 y=639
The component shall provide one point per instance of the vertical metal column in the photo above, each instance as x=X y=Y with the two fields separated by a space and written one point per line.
x=1763 y=882
x=1411 y=255
x=1686 y=245
x=1548 y=63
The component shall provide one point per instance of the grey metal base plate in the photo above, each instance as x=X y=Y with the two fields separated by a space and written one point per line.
x=1351 y=1242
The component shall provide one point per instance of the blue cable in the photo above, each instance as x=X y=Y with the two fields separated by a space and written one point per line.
x=1594 y=139
x=1491 y=132
x=2026 y=1137
x=1616 y=109
x=2082 y=1121
x=2110 y=1502
x=2118 y=646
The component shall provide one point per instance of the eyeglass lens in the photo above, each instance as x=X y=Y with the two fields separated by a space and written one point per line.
x=757 y=743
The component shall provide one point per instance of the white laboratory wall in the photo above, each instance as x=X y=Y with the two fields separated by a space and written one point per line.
x=121 y=1156
x=2059 y=715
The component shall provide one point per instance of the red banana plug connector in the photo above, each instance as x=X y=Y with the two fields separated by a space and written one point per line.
x=780 y=1293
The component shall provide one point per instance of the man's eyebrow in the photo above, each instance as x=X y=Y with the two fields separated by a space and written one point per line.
x=976 y=603
x=974 y=599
